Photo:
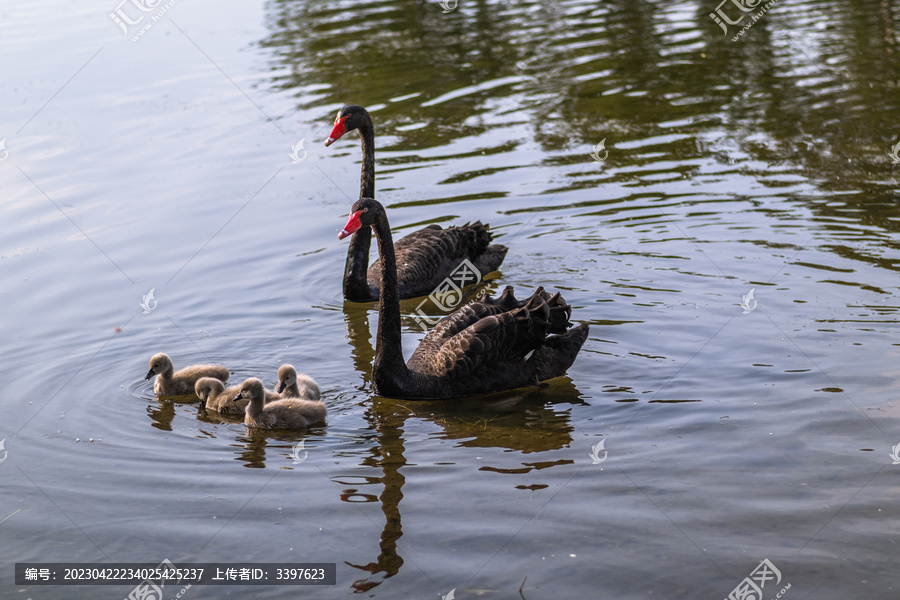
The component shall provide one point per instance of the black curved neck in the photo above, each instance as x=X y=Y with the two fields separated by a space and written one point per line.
x=367 y=173
x=356 y=285
x=389 y=366
x=356 y=281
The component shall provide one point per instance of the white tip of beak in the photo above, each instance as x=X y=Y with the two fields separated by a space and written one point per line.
x=329 y=141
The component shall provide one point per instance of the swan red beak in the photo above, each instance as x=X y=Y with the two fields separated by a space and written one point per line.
x=353 y=224
x=338 y=130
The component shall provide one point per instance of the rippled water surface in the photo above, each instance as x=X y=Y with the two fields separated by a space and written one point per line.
x=734 y=428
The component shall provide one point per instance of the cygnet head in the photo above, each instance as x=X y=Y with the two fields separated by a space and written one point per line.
x=159 y=363
x=207 y=386
x=287 y=376
x=251 y=389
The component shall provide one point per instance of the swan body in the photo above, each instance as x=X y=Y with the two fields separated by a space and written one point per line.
x=484 y=347
x=289 y=413
x=426 y=257
x=292 y=385
x=170 y=383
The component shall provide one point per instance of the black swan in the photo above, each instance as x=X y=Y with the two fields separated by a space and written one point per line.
x=484 y=347
x=426 y=257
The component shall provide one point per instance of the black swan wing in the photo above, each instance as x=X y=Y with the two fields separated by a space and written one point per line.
x=489 y=335
x=425 y=258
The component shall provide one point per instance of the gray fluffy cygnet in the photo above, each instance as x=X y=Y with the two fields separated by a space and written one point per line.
x=288 y=413
x=170 y=383
x=219 y=398
x=291 y=385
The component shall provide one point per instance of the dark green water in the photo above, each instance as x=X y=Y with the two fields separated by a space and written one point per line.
x=731 y=435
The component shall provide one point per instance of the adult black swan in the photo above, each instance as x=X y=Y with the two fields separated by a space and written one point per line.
x=484 y=347
x=426 y=257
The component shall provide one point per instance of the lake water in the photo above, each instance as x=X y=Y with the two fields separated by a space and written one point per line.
x=734 y=428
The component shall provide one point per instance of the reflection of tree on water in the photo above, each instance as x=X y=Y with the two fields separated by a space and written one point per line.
x=810 y=105
x=522 y=420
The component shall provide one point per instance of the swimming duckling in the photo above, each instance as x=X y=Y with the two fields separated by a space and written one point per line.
x=291 y=385
x=289 y=413
x=169 y=383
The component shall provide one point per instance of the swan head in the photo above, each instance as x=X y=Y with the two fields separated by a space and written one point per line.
x=159 y=363
x=348 y=118
x=287 y=376
x=206 y=386
x=364 y=213
x=250 y=389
